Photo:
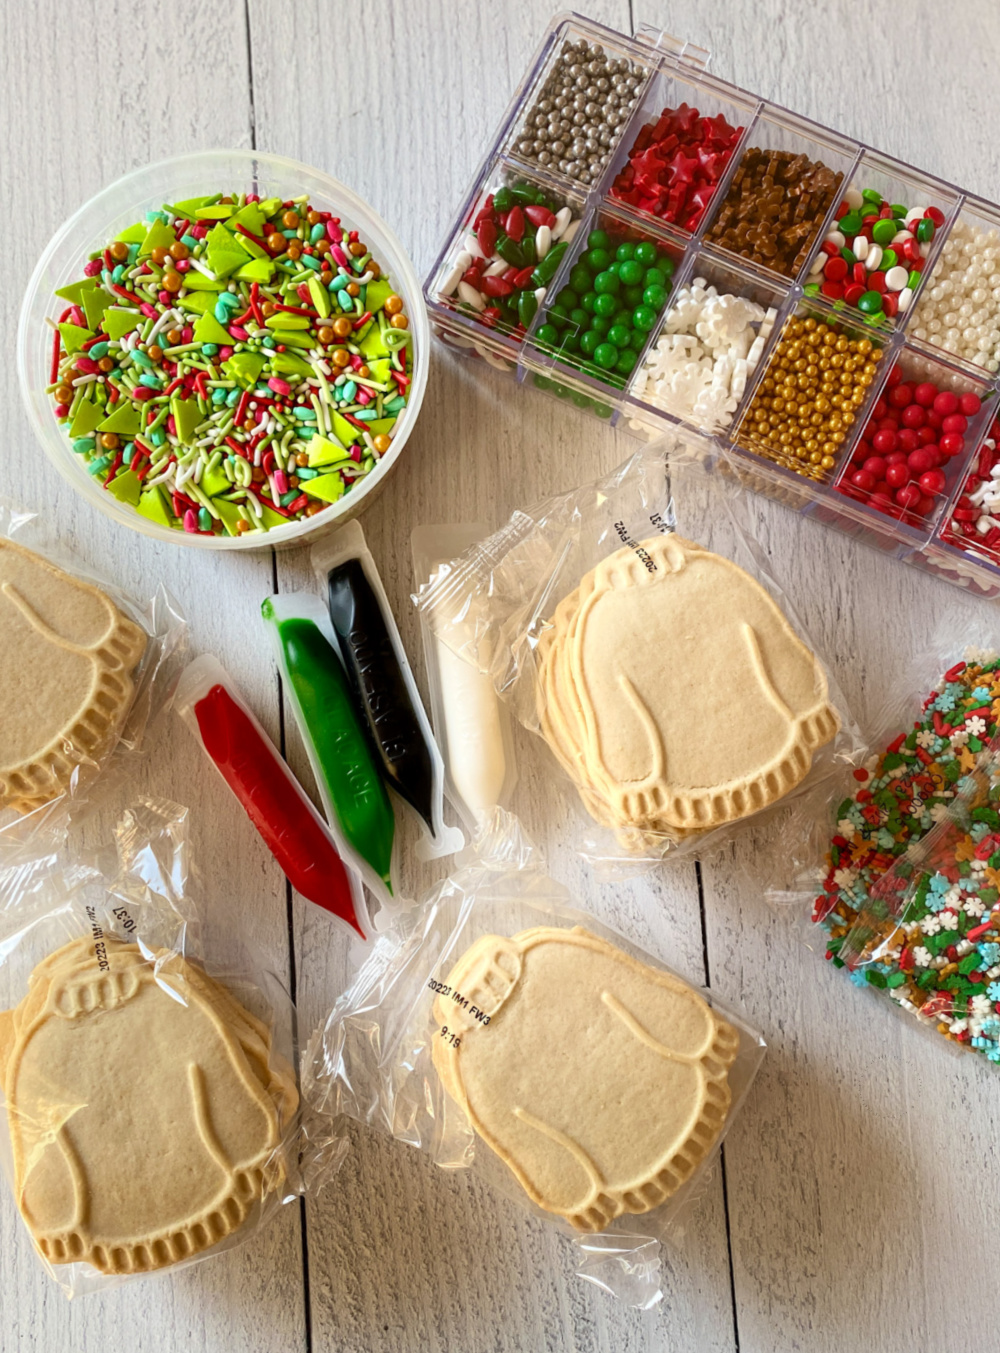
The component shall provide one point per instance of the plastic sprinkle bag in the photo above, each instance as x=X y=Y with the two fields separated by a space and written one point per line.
x=151 y=1112
x=490 y=1025
x=634 y=624
x=905 y=902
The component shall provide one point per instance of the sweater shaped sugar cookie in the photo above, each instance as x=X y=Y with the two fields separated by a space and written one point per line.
x=677 y=693
x=66 y=661
x=600 y=1081
x=144 y=1105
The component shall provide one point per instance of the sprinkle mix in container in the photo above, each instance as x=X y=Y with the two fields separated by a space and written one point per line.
x=227 y=380
x=230 y=363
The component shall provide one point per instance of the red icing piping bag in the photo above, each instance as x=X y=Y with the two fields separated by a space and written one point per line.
x=271 y=797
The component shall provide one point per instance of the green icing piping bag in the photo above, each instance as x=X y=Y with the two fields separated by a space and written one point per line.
x=355 y=799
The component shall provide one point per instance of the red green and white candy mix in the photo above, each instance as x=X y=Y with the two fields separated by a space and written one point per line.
x=927 y=932
x=231 y=364
x=874 y=254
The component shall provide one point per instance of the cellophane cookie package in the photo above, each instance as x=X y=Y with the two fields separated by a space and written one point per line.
x=86 y=667
x=634 y=626
x=502 y=1029
x=121 y=1040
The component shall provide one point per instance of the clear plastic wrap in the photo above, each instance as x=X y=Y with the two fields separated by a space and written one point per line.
x=91 y=666
x=151 y=1108
x=509 y=602
x=472 y=727
x=903 y=889
x=927 y=935
x=382 y=1053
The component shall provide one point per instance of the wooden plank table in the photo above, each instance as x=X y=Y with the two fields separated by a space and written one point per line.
x=857 y=1190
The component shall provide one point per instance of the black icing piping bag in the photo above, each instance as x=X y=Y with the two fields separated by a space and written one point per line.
x=375 y=674
x=382 y=682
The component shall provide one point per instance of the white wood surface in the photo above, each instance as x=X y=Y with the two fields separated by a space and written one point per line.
x=859 y=1181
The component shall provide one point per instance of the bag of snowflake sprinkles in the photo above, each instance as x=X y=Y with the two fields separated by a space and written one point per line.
x=911 y=899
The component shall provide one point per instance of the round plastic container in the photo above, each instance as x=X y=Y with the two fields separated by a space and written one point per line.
x=126 y=201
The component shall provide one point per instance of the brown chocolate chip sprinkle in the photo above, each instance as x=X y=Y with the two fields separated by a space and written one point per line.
x=775 y=207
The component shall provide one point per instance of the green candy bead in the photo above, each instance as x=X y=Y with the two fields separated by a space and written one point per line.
x=568 y=299
x=587 y=301
x=851 y=223
x=527 y=306
x=598 y=239
x=589 y=342
x=630 y=271
x=627 y=359
x=570 y=343
x=632 y=296
x=579 y=317
x=643 y=318
x=600 y=324
x=645 y=253
x=607 y=283
x=655 y=277
x=547 y=334
x=619 y=335
x=606 y=356
x=666 y=265
x=580 y=400
x=655 y=297
x=595 y=260
x=558 y=316
x=606 y=303
x=883 y=231
x=625 y=252
x=580 y=279
x=637 y=340
x=870 y=303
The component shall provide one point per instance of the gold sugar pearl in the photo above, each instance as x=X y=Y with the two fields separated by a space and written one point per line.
x=809 y=397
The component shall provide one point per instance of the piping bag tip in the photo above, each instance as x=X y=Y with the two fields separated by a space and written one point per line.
x=446 y=841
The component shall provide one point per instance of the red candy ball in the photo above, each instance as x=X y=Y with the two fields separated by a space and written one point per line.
x=951 y=444
x=897 y=475
x=907 y=439
x=909 y=496
x=925 y=394
x=932 y=482
x=884 y=441
x=970 y=404
x=876 y=466
x=945 y=403
x=862 y=479
x=919 y=462
x=955 y=422
x=913 y=416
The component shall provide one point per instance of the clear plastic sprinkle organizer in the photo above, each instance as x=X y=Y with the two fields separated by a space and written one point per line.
x=664 y=73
